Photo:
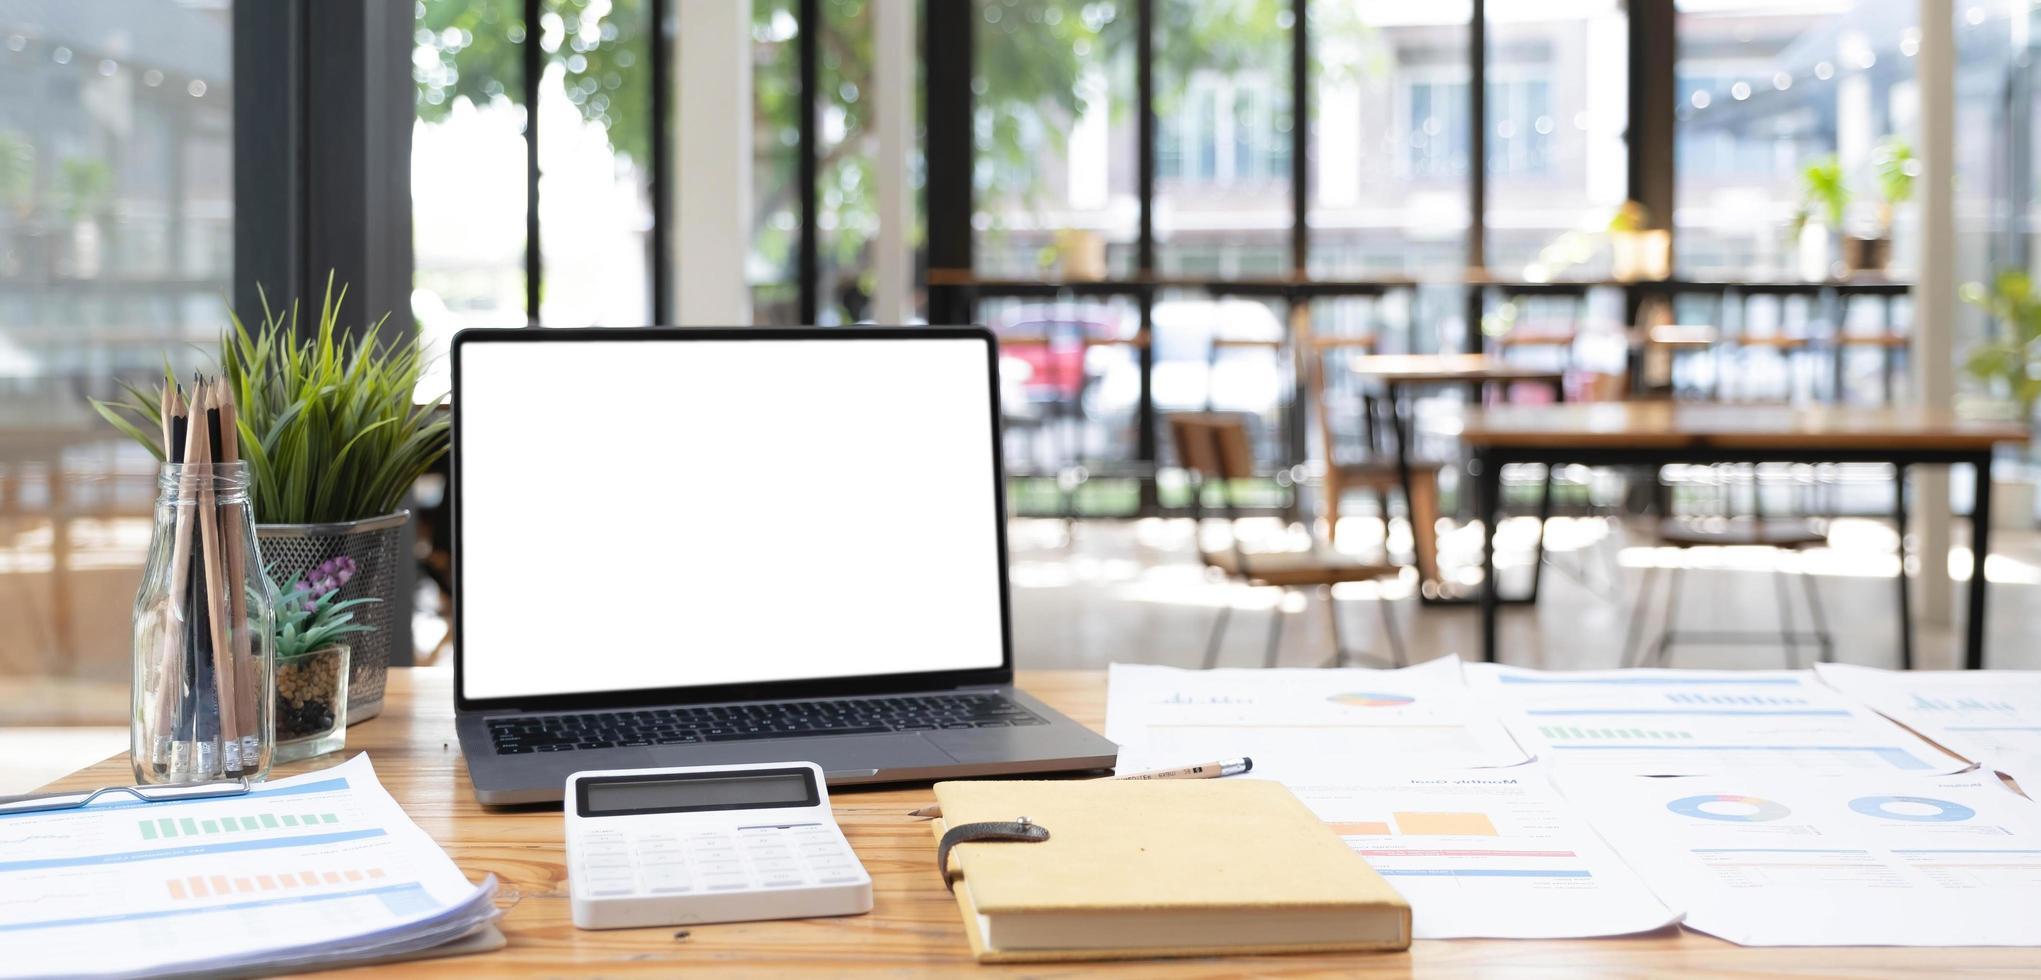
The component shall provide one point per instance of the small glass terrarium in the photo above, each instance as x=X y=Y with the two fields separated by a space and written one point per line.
x=311 y=703
x=311 y=665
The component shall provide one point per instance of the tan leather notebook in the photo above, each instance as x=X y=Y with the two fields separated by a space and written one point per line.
x=1161 y=868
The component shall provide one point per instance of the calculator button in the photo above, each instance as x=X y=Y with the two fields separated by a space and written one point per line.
x=776 y=867
x=781 y=881
x=720 y=867
x=722 y=884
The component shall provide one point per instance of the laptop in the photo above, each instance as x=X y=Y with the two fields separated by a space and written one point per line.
x=682 y=547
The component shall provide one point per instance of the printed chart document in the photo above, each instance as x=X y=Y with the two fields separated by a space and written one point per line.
x=1699 y=722
x=1873 y=860
x=1415 y=718
x=1486 y=853
x=1991 y=717
x=300 y=871
x=1385 y=756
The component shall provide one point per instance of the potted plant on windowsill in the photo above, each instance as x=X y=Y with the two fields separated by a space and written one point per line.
x=333 y=441
x=1825 y=197
x=1893 y=163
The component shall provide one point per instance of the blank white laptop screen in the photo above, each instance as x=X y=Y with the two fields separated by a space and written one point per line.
x=642 y=514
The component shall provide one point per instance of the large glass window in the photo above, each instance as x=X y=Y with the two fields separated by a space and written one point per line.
x=1557 y=106
x=1055 y=169
x=468 y=167
x=595 y=163
x=469 y=163
x=116 y=248
x=1782 y=108
x=1390 y=137
x=1224 y=123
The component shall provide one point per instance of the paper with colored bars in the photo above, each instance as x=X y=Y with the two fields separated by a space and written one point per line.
x=1784 y=859
x=310 y=869
x=1991 y=717
x=1491 y=853
x=1414 y=718
x=1389 y=759
x=1698 y=722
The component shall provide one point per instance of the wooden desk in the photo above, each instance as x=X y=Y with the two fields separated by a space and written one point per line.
x=1660 y=433
x=914 y=929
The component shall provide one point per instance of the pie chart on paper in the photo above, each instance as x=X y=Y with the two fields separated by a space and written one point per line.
x=1371 y=699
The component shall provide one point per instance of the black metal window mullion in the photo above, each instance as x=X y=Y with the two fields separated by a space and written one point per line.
x=1477 y=168
x=1300 y=139
x=1145 y=449
x=661 y=252
x=809 y=260
x=534 y=68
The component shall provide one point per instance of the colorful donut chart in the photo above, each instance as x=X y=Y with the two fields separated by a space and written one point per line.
x=1741 y=809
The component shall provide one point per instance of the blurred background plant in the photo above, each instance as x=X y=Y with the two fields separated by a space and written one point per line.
x=2010 y=362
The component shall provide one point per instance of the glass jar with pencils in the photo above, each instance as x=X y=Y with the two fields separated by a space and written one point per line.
x=204 y=680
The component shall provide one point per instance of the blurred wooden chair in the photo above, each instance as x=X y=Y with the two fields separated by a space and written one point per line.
x=1374 y=469
x=1214 y=450
x=1725 y=530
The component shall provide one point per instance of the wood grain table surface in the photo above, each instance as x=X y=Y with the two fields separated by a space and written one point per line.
x=1660 y=424
x=914 y=929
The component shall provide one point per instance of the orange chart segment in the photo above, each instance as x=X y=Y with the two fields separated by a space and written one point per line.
x=1460 y=824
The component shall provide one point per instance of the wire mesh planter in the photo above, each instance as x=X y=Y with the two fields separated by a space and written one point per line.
x=379 y=547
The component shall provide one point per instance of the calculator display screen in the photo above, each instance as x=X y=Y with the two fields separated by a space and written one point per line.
x=612 y=796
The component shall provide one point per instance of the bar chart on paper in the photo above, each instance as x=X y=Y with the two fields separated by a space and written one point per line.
x=166 y=828
x=1675 y=722
x=1485 y=853
x=294 y=862
x=194 y=887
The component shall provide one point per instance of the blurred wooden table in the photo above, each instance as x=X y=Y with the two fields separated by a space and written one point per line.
x=1397 y=375
x=1665 y=433
x=914 y=929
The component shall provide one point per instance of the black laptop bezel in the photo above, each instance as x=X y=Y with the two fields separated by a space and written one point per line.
x=772 y=690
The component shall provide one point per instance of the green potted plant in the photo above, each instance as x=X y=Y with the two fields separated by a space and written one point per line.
x=1638 y=251
x=1895 y=169
x=333 y=441
x=311 y=660
x=2009 y=366
x=1824 y=197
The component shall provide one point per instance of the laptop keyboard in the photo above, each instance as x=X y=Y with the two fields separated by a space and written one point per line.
x=736 y=722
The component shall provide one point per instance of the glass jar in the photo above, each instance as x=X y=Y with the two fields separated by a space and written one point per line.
x=204 y=678
x=311 y=703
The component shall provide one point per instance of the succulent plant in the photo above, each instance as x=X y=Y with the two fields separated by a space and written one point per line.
x=307 y=617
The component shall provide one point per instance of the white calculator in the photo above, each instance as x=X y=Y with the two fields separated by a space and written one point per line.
x=660 y=847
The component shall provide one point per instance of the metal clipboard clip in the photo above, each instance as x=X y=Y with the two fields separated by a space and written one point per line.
x=78 y=799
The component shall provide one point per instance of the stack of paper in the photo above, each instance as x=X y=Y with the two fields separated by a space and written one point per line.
x=1991 y=717
x=1414 y=773
x=319 y=870
x=1817 y=860
x=1698 y=722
